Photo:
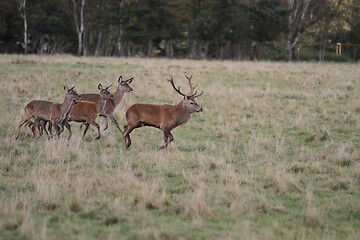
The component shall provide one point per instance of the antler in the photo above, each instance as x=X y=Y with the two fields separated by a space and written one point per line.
x=171 y=80
x=198 y=94
x=192 y=94
x=191 y=87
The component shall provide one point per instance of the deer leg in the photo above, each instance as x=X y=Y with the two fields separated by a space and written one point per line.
x=165 y=141
x=171 y=137
x=36 y=126
x=29 y=124
x=67 y=125
x=112 y=118
x=62 y=126
x=126 y=135
x=48 y=132
x=50 y=135
x=86 y=128
x=123 y=136
x=56 y=127
x=50 y=129
x=44 y=127
x=168 y=137
x=21 y=123
x=92 y=122
x=90 y=127
x=106 y=122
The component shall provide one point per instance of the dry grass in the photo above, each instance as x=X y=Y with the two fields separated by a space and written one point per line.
x=274 y=155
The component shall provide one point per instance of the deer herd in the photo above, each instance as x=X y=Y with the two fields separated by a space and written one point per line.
x=85 y=108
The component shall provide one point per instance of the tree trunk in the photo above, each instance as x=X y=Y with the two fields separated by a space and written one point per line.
x=169 y=52
x=98 y=44
x=323 y=43
x=119 y=41
x=295 y=27
x=205 y=49
x=120 y=33
x=288 y=43
x=133 y=50
x=252 y=50
x=295 y=56
x=83 y=24
x=259 y=55
x=79 y=26
x=192 y=53
x=23 y=15
x=149 y=48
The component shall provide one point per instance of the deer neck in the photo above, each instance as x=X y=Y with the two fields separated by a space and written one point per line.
x=100 y=104
x=65 y=106
x=118 y=97
x=182 y=115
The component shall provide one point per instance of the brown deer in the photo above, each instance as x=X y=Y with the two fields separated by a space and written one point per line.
x=87 y=112
x=164 y=117
x=111 y=104
x=48 y=111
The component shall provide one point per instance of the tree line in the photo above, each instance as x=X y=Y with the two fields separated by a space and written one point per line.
x=198 y=29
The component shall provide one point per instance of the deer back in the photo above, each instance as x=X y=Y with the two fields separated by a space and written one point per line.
x=42 y=109
x=83 y=110
x=160 y=116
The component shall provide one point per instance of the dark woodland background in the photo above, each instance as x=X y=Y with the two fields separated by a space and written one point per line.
x=213 y=29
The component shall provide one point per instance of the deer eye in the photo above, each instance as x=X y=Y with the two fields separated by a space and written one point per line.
x=191 y=103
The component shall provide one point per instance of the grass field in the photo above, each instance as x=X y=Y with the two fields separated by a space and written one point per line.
x=274 y=155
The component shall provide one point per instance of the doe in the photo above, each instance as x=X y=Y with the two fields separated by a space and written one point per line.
x=42 y=110
x=87 y=112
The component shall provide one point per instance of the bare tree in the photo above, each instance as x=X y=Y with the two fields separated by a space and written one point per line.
x=22 y=8
x=304 y=13
x=296 y=18
x=99 y=44
x=121 y=31
x=80 y=26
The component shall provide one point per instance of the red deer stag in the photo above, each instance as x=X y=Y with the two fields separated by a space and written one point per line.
x=111 y=104
x=87 y=112
x=48 y=111
x=164 y=117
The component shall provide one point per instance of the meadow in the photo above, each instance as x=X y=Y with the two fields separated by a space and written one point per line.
x=274 y=155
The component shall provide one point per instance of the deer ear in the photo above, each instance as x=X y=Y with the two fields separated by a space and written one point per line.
x=66 y=88
x=99 y=86
x=73 y=87
x=120 y=79
x=129 y=80
x=108 y=87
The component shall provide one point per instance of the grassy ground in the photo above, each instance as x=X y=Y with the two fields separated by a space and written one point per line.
x=274 y=155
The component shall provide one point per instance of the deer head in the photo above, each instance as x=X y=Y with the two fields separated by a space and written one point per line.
x=105 y=93
x=124 y=85
x=189 y=101
x=71 y=93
